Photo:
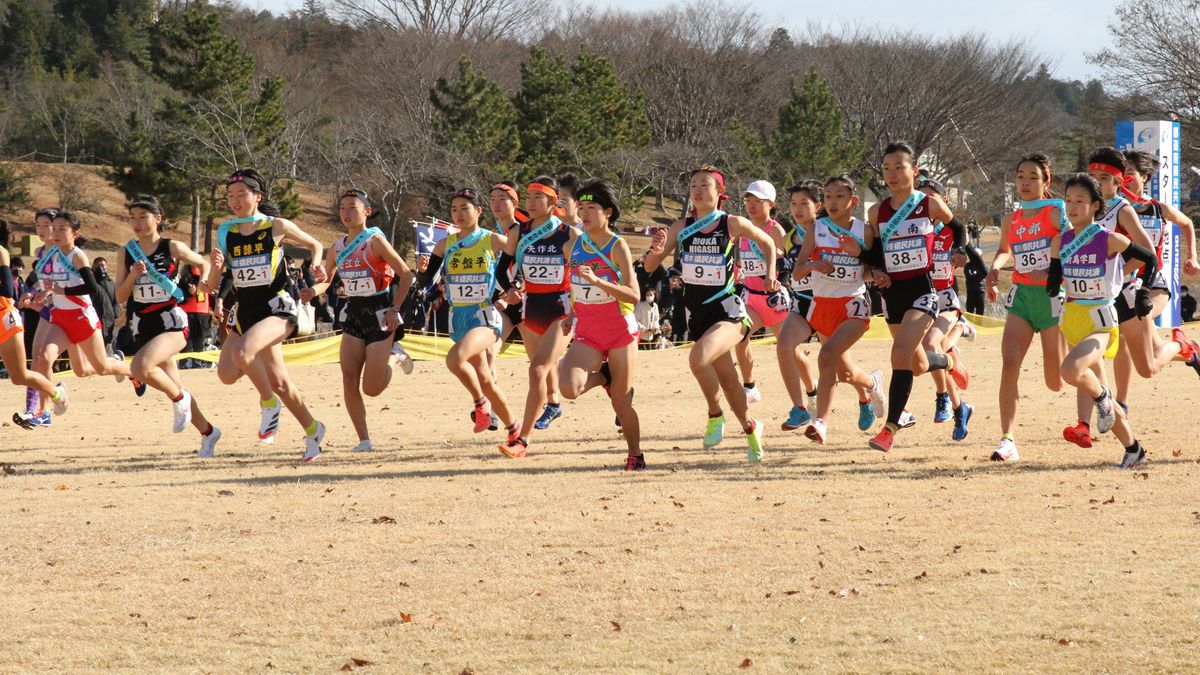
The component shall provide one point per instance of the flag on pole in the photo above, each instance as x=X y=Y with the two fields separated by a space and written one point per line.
x=430 y=233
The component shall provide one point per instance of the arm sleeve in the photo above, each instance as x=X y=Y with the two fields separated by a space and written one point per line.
x=1054 y=277
x=1136 y=252
x=89 y=285
x=8 y=288
x=226 y=285
x=873 y=256
x=960 y=232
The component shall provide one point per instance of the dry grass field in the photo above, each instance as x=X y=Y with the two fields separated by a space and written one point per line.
x=121 y=550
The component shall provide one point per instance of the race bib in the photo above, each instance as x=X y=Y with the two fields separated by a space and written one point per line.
x=251 y=271
x=543 y=269
x=147 y=292
x=1011 y=297
x=381 y=317
x=467 y=289
x=943 y=267
x=858 y=307
x=905 y=254
x=1103 y=317
x=704 y=269
x=752 y=264
x=1031 y=256
x=11 y=320
x=1056 y=306
x=1085 y=288
x=1154 y=228
x=584 y=294
x=927 y=303
x=847 y=270
x=357 y=283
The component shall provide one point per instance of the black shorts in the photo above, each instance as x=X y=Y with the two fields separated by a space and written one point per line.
x=146 y=327
x=542 y=309
x=800 y=304
x=362 y=318
x=245 y=315
x=513 y=312
x=916 y=293
x=731 y=309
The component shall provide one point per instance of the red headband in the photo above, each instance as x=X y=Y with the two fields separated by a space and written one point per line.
x=544 y=189
x=1106 y=168
x=510 y=191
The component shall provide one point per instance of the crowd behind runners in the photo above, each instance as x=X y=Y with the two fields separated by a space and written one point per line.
x=1087 y=279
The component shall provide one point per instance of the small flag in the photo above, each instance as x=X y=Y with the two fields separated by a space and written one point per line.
x=430 y=233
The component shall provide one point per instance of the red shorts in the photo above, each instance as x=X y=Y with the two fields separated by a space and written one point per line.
x=78 y=324
x=10 y=320
x=607 y=335
x=826 y=314
x=757 y=303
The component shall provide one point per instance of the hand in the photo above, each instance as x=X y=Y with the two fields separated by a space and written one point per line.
x=217 y=258
x=391 y=319
x=993 y=293
x=959 y=259
x=849 y=244
x=1142 y=306
x=137 y=269
x=1191 y=266
x=588 y=274
x=993 y=277
x=568 y=323
x=771 y=284
x=658 y=241
x=822 y=266
x=218 y=314
x=307 y=295
x=318 y=272
x=512 y=296
x=882 y=280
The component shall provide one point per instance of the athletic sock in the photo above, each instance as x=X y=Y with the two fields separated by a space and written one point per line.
x=939 y=361
x=1103 y=393
x=207 y=432
x=178 y=398
x=898 y=391
x=711 y=416
x=1009 y=437
x=311 y=429
x=269 y=402
x=748 y=385
x=480 y=402
x=32 y=400
x=749 y=431
x=812 y=394
x=1133 y=448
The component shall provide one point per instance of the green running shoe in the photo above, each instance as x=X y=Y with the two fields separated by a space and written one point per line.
x=714 y=433
x=754 y=446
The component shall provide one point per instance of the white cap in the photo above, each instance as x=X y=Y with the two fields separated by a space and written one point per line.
x=761 y=189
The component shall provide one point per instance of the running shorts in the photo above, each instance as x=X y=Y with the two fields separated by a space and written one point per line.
x=729 y=309
x=150 y=325
x=757 y=303
x=801 y=302
x=465 y=319
x=1080 y=321
x=363 y=318
x=543 y=309
x=1125 y=299
x=905 y=294
x=78 y=324
x=1032 y=304
x=607 y=335
x=282 y=306
x=827 y=314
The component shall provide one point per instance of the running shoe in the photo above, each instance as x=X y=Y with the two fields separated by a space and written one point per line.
x=968 y=329
x=941 y=408
x=883 y=440
x=878 y=395
x=962 y=417
x=401 y=358
x=495 y=423
x=1006 y=451
x=268 y=422
x=24 y=420
x=1080 y=434
x=866 y=416
x=1106 y=414
x=1186 y=346
x=797 y=418
x=754 y=447
x=714 y=432
x=816 y=430
x=907 y=420
x=514 y=446
x=60 y=406
x=959 y=373
x=482 y=416
x=41 y=420
x=635 y=463
x=139 y=387
x=120 y=357
x=753 y=395
x=1132 y=459
x=182 y=410
x=363 y=446
x=550 y=413
x=208 y=444
x=312 y=444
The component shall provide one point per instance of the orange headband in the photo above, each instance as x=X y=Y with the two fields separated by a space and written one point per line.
x=1106 y=168
x=508 y=190
x=544 y=189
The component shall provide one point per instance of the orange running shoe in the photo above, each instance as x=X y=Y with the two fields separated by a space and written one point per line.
x=1080 y=434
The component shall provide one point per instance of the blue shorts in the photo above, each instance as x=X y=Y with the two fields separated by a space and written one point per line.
x=467 y=318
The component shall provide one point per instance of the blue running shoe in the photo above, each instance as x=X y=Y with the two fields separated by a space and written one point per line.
x=941 y=411
x=551 y=413
x=42 y=420
x=962 y=416
x=797 y=418
x=866 y=416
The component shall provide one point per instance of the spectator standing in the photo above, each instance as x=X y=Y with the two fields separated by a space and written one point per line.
x=1187 y=304
x=106 y=299
x=646 y=315
x=975 y=273
x=195 y=305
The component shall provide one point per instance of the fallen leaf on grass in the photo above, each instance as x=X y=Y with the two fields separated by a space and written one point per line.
x=225 y=493
x=790 y=592
x=1111 y=500
x=616 y=626
x=8 y=470
x=1066 y=643
x=744 y=664
x=60 y=488
x=1177 y=453
x=677 y=504
x=846 y=593
x=355 y=663
x=384 y=520
x=270 y=665
x=922 y=575
x=406 y=618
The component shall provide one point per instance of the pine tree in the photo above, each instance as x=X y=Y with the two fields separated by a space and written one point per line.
x=607 y=117
x=813 y=138
x=546 y=111
x=477 y=119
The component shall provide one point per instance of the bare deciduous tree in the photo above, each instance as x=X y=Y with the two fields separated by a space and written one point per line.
x=481 y=20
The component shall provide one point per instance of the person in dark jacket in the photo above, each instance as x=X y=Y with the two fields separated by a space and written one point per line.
x=975 y=274
x=106 y=300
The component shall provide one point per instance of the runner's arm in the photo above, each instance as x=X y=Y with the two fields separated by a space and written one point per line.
x=654 y=258
x=292 y=231
x=1129 y=221
x=125 y=280
x=1187 y=230
x=321 y=287
x=740 y=227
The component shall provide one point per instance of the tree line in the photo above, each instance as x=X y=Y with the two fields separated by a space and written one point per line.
x=410 y=99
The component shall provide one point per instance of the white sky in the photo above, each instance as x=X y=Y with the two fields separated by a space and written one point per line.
x=1063 y=30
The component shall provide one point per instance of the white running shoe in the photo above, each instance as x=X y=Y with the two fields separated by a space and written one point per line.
x=60 y=406
x=182 y=409
x=878 y=395
x=120 y=357
x=1106 y=414
x=1006 y=451
x=363 y=446
x=816 y=431
x=312 y=444
x=907 y=420
x=269 y=423
x=753 y=395
x=968 y=329
x=403 y=360
x=208 y=444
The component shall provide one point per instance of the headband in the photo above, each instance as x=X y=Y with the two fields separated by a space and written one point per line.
x=510 y=191
x=543 y=189
x=1106 y=168
x=249 y=182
